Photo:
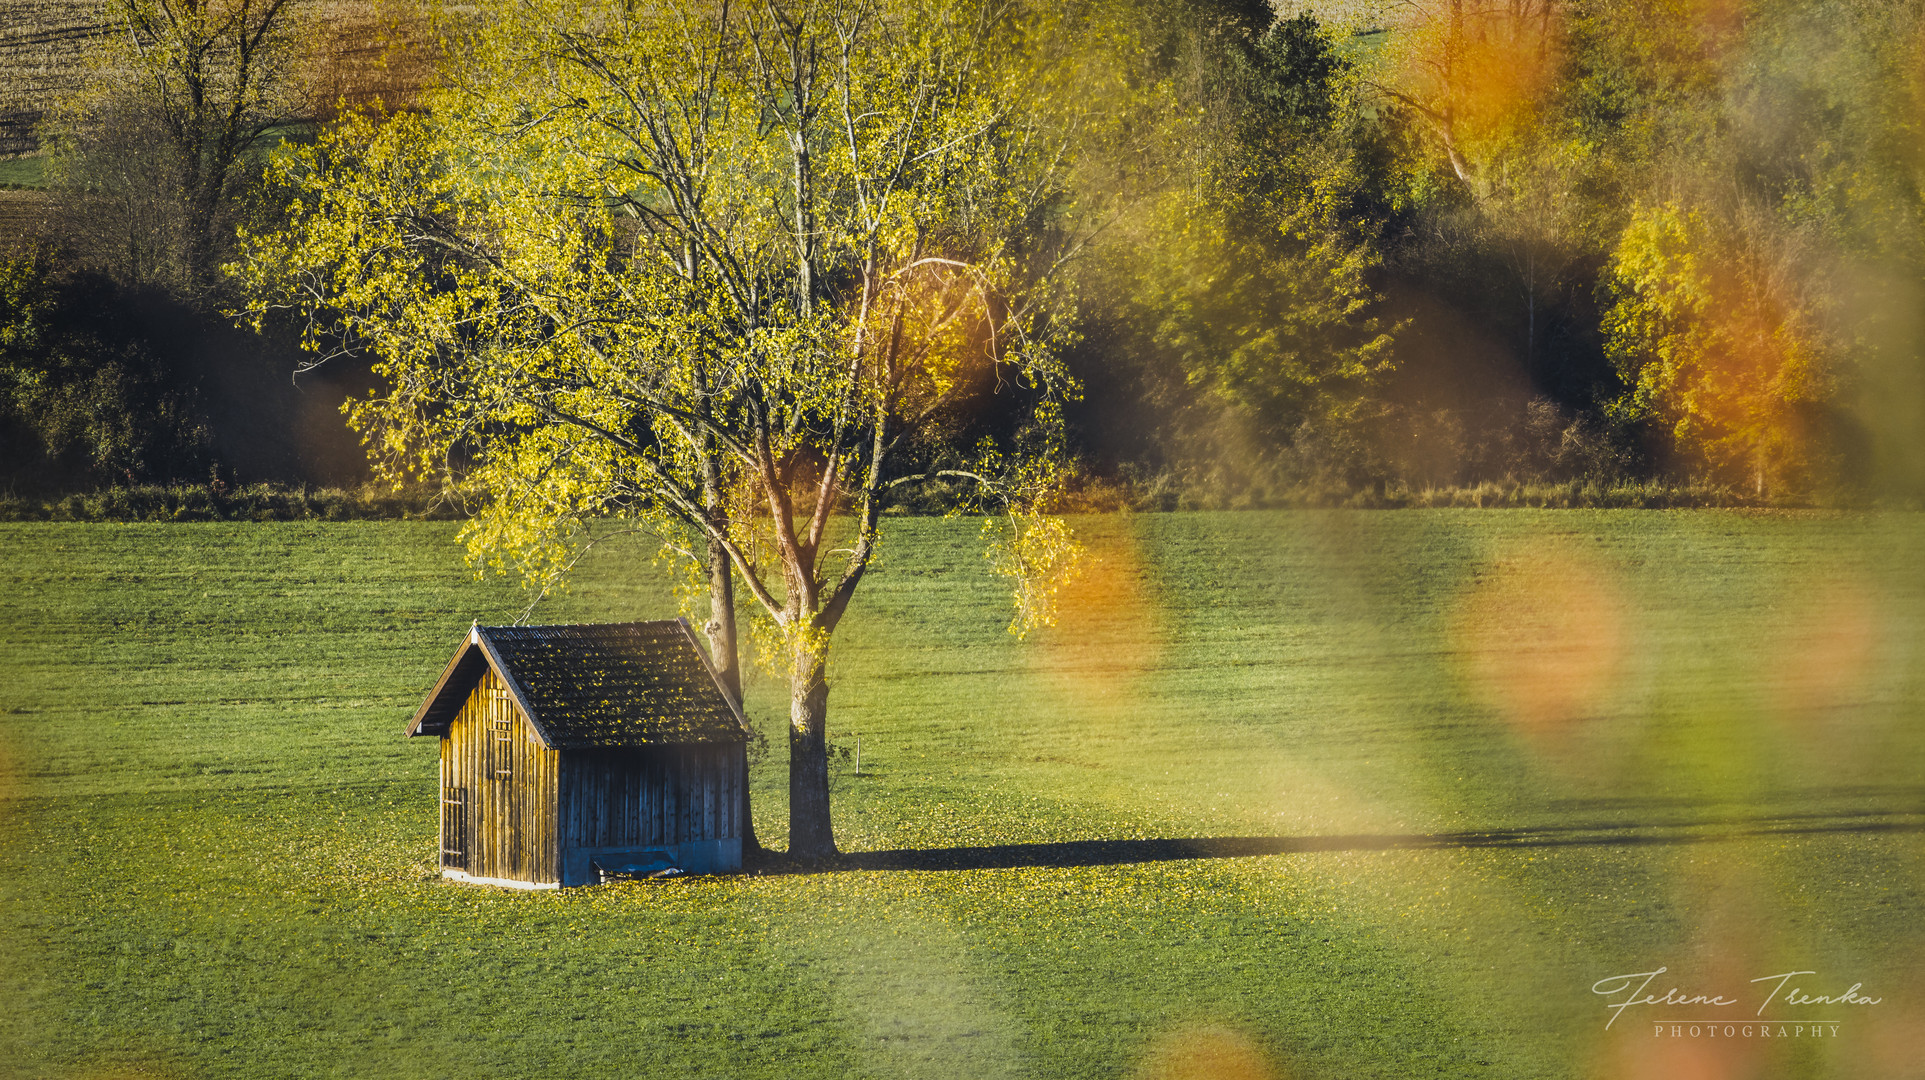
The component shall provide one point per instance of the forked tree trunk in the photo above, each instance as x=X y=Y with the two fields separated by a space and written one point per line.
x=810 y=834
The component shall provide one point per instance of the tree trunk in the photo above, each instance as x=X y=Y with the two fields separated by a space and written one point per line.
x=721 y=625
x=726 y=654
x=810 y=834
x=724 y=648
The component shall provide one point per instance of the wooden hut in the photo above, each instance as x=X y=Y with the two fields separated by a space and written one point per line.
x=569 y=753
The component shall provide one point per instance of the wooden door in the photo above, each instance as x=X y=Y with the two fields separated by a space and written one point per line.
x=457 y=817
x=499 y=786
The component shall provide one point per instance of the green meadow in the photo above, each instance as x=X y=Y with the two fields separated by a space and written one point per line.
x=1295 y=794
x=22 y=172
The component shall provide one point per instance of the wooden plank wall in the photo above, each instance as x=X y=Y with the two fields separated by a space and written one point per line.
x=634 y=797
x=498 y=790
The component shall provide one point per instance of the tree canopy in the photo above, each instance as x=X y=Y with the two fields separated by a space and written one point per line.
x=1345 y=256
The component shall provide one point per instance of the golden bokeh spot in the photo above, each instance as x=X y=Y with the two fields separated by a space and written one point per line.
x=1728 y=947
x=1108 y=625
x=1637 y=1052
x=1504 y=70
x=1480 y=72
x=1207 y=1053
x=1719 y=23
x=1832 y=635
x=1543 y=639
x=1917 y=87
x=1891 y=1040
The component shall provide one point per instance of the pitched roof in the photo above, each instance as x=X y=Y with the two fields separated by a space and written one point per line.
x=601 y=684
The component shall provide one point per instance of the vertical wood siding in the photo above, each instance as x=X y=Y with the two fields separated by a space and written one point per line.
x=635 y=797
x=498 y=788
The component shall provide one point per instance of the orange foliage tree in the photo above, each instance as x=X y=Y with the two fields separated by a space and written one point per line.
x=1476 y=73
x=1715 y=343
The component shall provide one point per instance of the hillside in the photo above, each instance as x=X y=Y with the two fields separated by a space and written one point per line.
x=353 y=49
x=40 y=61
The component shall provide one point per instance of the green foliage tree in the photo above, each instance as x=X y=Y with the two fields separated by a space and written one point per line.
x=159 y=151
x=1275 y=310
x=729 y=271
x=1243 y=294
x=88 y=396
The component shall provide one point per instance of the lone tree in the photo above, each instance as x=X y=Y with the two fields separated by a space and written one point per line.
x=745 y=273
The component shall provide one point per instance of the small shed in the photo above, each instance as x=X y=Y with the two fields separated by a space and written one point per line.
x=572 y=752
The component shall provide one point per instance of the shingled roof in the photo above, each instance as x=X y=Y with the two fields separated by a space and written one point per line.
x=603 y=684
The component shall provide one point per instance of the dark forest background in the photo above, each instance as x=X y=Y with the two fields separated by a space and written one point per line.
x=1564 y=247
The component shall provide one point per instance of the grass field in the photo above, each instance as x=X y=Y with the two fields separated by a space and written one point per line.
x=22 y=172
x=1297 y=794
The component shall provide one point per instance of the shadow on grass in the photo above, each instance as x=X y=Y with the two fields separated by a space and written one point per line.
x=1115 y=852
